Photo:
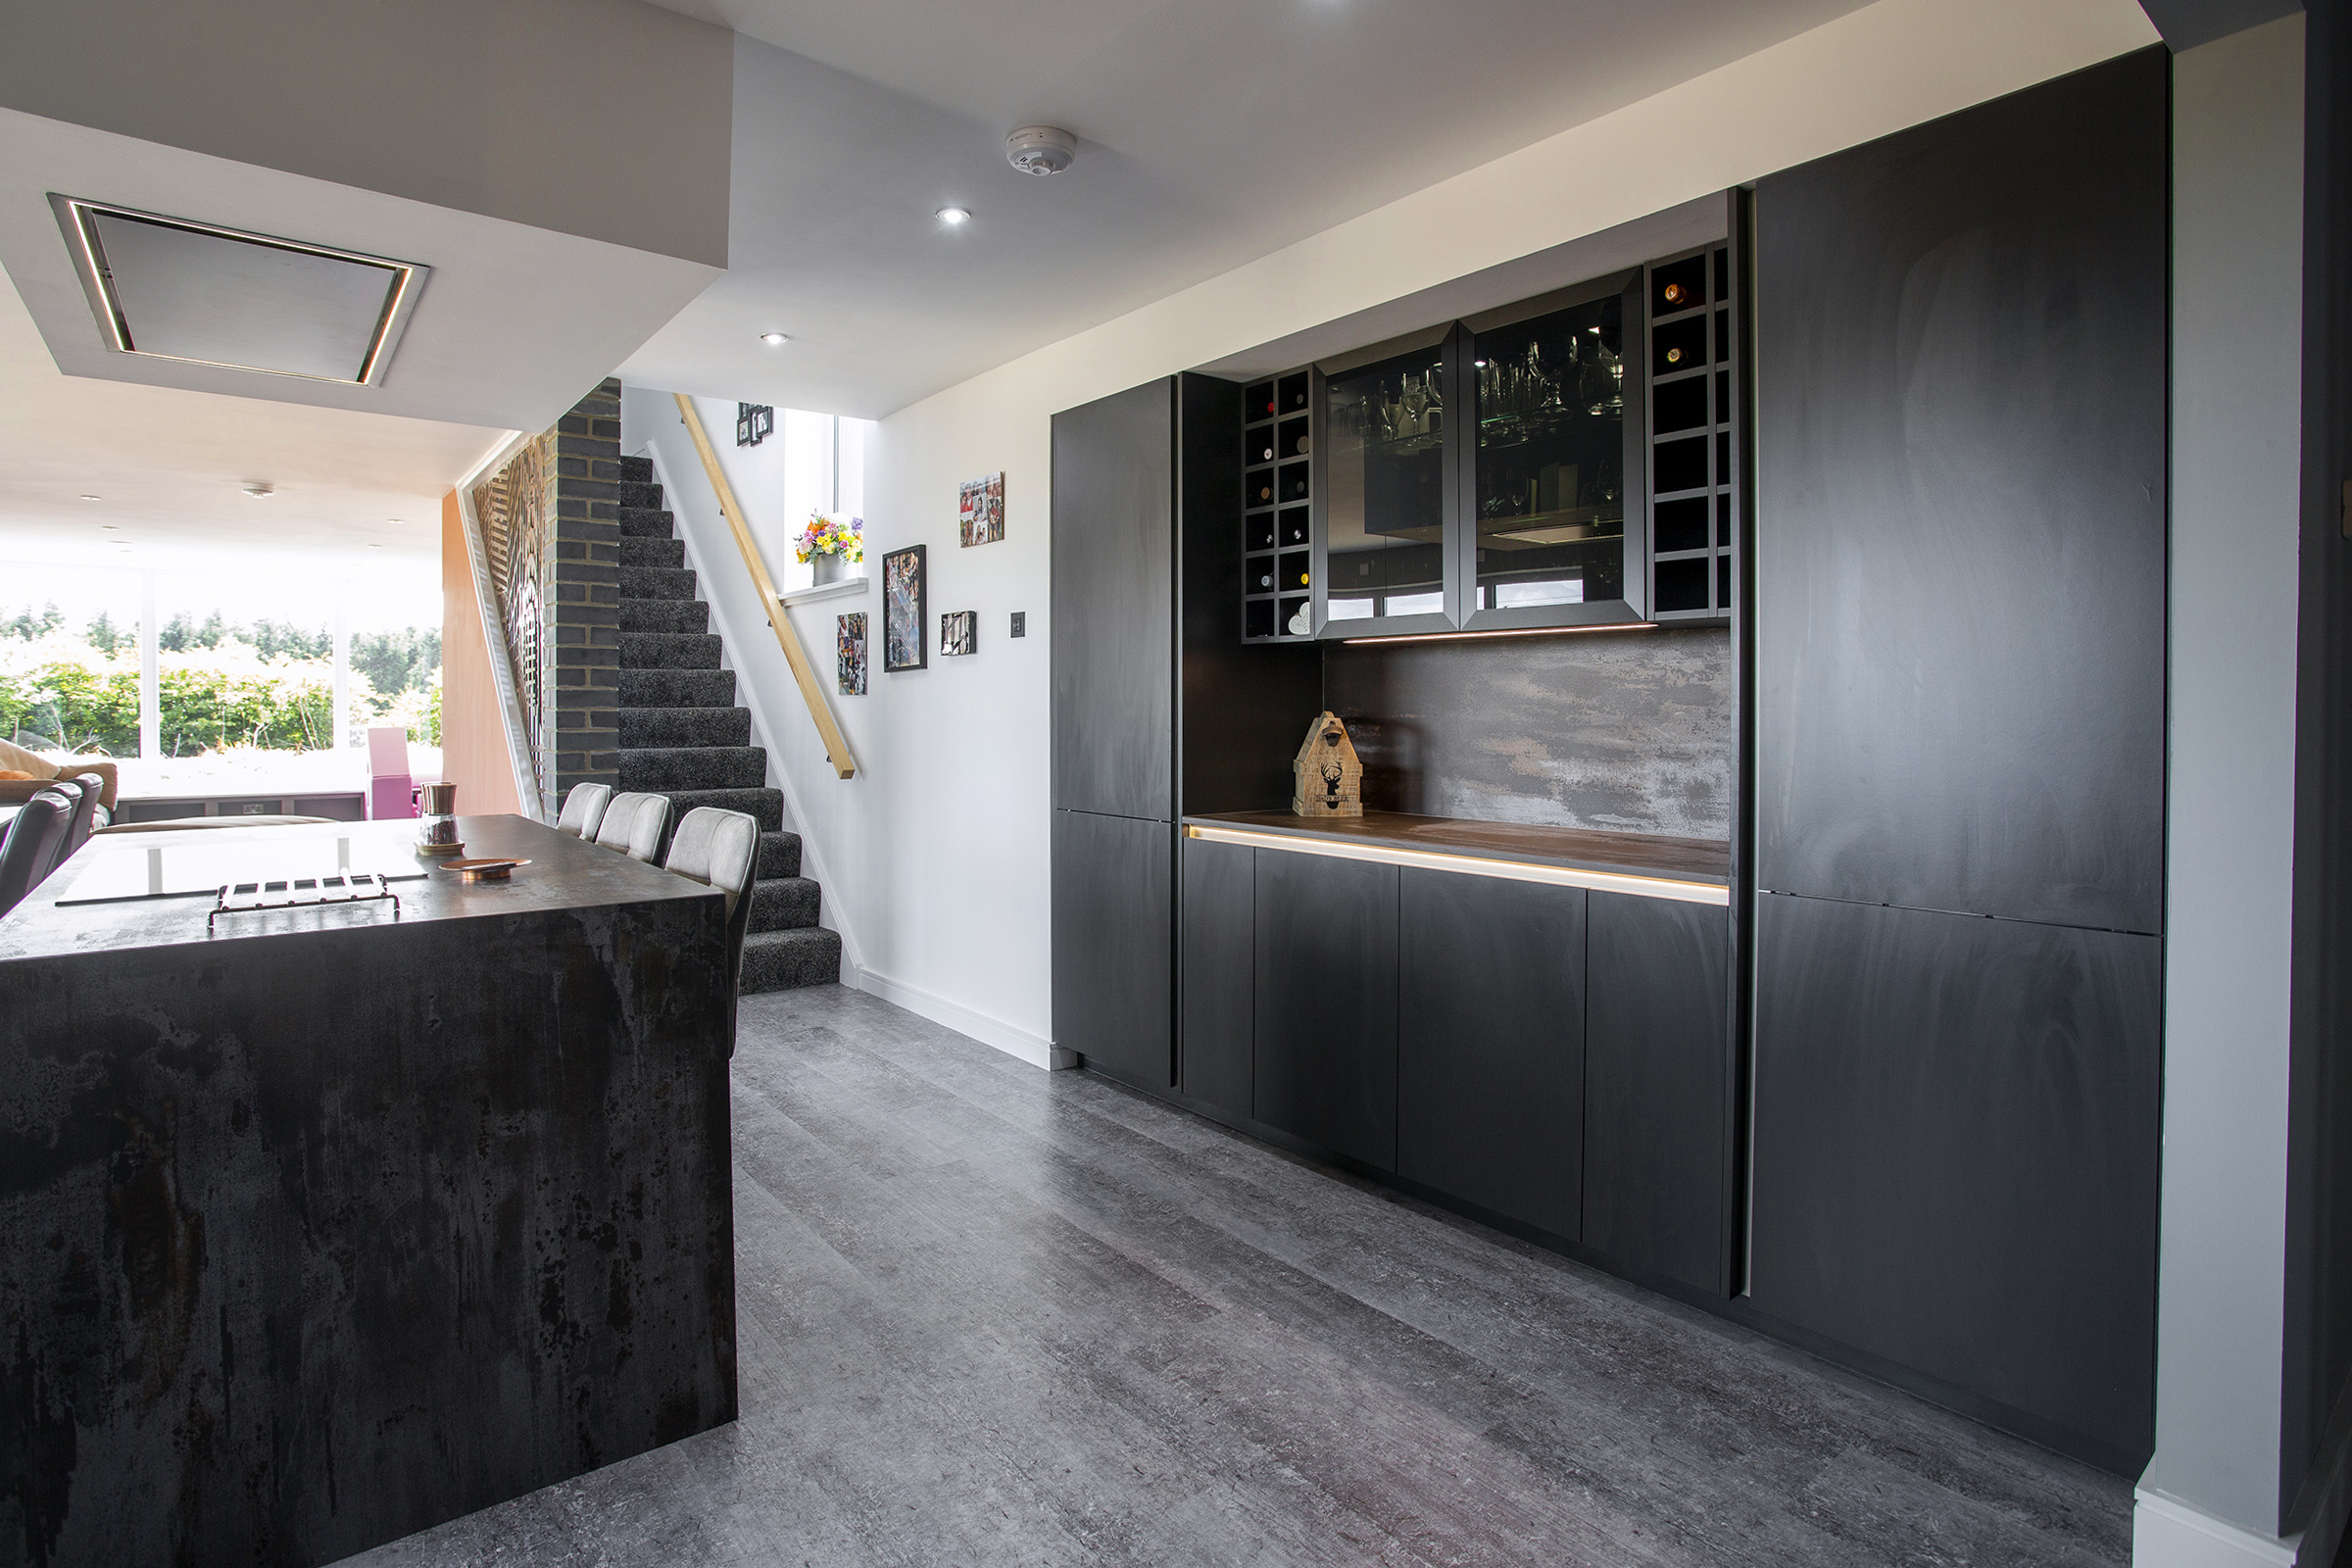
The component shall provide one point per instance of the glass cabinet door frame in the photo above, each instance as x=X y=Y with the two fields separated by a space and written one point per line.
x=1461 y=523
x=1449 y=457
x=1458 y=472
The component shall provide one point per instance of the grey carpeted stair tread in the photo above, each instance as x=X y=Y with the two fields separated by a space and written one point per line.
x=785 y=903
x=661 y=769
x=779 y=857
x=668 y=650
x=656 y=582
x=779 y=961
x=765 y=806
x=672 y=687
x=689 y=615
x=636 y=551
x=637 y=471
x=647 y=523
x=638 y=492
x=643 y=727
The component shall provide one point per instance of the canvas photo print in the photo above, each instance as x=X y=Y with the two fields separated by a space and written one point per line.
x=958 y=632
x=902 y=644
x=980 y=509
x=848 y=641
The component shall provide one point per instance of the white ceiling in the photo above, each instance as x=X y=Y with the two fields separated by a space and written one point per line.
x=1212 y=132
x=168 y=467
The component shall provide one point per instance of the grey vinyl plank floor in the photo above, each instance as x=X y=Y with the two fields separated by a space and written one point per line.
x=991 y=1315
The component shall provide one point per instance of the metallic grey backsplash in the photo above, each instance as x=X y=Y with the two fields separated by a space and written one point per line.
x=1630 y=732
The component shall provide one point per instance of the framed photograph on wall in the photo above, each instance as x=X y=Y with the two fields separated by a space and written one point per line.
x=958 y=632
x=903 y=646
x=850 y=652
x=980 y=509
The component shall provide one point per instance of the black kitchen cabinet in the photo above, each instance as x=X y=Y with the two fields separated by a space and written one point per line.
x=1658 y=1083
x=1960 y=590
x=1326 y=1003
x=1490 y=1044
x=1956 y=1156
x=1218 y=968
x=1114 y=944
x=1114 y=604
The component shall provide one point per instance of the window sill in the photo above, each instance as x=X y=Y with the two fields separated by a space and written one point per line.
x=825 y=590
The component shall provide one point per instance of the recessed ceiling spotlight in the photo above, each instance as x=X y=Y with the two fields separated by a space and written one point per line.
x=952 y=216
x=774 y=340
x=396 y=521
x=1041 y=149
x=374 y=546
x=93 y=498
x=260 y=492
x=110 y=527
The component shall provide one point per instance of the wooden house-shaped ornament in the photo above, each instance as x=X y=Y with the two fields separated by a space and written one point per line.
x=1327 y=779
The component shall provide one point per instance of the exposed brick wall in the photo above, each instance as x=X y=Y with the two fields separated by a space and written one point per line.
x=580 y=709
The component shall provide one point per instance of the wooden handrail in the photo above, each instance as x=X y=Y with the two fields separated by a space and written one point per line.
x=837 y=749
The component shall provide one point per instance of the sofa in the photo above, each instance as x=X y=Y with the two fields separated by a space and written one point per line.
x=41 y=768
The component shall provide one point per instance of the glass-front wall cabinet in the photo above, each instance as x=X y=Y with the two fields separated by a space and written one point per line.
x=1383 y=507
x=1550 y=466
x=1568 y=460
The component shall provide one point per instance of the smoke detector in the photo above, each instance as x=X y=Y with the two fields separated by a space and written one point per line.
x=1041 y=149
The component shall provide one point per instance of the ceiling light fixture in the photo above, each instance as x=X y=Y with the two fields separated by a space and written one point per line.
x=93 y=498
x=260 y=492
x=1041 y=149
x=774 y=340
x=952 y=216
x=110 y=527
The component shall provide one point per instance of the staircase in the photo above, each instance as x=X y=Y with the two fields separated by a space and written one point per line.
x=684 y=736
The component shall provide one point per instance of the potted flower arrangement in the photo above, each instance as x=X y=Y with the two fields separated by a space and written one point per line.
x=830 y=540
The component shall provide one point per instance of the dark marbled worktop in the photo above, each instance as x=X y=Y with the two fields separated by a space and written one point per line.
x=1647 y=855
x=565 y=873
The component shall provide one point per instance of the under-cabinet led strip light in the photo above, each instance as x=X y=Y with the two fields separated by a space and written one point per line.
x=1647 y=887
x=1508 y=631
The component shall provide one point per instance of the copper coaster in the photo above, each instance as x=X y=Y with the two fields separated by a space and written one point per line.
x=483 y=871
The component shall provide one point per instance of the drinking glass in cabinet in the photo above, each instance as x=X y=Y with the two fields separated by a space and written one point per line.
x=1384 y=437
x=1552 y=458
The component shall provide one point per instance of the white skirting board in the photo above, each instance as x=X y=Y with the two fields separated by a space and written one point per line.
x=1011 y=1039
x=2170 y=1534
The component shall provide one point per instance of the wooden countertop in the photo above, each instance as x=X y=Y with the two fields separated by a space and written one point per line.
x=1698 y=870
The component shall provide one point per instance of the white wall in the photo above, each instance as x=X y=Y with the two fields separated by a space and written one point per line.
x=2210 y=1494
x=938 y=850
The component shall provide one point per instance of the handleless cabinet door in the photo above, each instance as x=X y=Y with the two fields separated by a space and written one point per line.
x=1114 y=604
x=1326 y=1003
x=1657 y=1086
x=1115 y=943
x=1490 y=1042
x=1219 y=970
x=1956 y=1153
x=1960 y=561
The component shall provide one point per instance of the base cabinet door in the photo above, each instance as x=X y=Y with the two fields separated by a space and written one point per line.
x=1490 y=1044
x=1326 y=1003
x=1956 y=1156
x=1218 y=1026
x=1113 y=943
x=1657 y=1087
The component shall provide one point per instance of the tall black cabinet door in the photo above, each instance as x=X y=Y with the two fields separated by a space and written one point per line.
x=1114 y=604
x=1113 y=943
x=1657 y=1087
x=1490 y=1042
x=1326 y=1050
x=1956 y=1157
x=1960 y=544
x=1219 y=968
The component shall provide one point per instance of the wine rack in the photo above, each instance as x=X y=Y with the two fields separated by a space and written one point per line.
x=1694 y=380
x=1277 y=490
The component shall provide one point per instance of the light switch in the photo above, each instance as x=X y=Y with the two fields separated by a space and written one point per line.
x=1020 y=624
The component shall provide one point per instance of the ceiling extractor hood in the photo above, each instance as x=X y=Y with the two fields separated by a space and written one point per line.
x=175 y=289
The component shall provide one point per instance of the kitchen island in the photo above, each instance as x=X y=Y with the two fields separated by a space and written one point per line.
x=333 y=1223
